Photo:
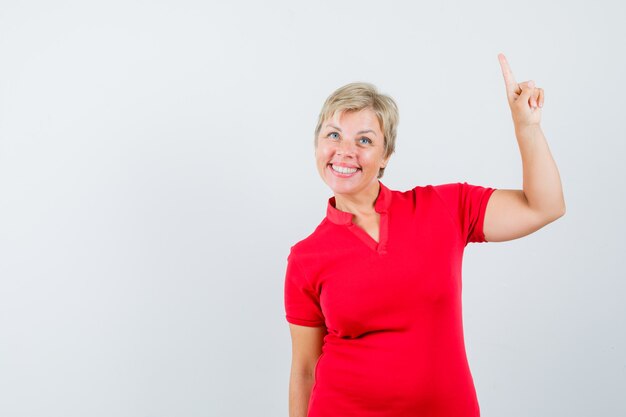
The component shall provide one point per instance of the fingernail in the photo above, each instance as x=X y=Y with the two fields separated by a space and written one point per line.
x=531 y=84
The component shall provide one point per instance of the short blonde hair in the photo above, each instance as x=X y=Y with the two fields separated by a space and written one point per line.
x=359 y=96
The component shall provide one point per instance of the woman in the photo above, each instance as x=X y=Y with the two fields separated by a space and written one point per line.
x=373 y=295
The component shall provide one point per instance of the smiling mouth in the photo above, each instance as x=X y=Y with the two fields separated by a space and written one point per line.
x=343 y=170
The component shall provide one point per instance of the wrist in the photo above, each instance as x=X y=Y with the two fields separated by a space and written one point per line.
x=527 y=130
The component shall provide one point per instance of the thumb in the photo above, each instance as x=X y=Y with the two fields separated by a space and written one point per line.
x=527 y=90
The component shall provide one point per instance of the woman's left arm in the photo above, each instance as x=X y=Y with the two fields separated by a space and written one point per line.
x=511 y=214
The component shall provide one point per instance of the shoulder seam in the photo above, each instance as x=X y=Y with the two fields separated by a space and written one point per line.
x=297 y=264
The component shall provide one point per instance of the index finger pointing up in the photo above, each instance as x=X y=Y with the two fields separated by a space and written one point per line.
x=509 y=79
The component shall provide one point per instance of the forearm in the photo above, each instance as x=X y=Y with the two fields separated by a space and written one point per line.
x=300 y=386
x=541 y=181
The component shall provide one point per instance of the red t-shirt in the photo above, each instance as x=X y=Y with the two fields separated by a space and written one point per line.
x=392 y=309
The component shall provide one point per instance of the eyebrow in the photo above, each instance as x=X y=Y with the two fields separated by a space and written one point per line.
x=358 y=133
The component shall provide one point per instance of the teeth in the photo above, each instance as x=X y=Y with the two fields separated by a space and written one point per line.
x=344 y=170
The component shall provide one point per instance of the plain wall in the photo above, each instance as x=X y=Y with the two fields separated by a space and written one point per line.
x=156 y=164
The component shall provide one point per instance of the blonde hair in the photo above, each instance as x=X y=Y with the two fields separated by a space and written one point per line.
x=359 y=96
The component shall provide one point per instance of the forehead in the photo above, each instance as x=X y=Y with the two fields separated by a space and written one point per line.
x=354 y=120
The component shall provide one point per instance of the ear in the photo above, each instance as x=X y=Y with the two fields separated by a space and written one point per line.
x=385 y=161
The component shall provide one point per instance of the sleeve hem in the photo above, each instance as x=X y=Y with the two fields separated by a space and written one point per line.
x=304 y=322
x=483 y=210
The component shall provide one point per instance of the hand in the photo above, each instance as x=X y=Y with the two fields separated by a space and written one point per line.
x=525 y=99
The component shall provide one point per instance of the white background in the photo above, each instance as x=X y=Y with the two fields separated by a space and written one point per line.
x=156 y=165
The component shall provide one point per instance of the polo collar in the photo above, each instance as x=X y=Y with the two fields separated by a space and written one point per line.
x=343 y=218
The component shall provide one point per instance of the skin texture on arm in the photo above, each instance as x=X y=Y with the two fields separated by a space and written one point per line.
x=306 y=348
x=511 y=214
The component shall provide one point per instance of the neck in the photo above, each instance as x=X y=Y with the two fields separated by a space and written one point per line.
x=358 y=204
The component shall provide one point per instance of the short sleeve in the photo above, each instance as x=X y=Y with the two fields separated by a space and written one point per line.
x=302 y=302
x=467 y=203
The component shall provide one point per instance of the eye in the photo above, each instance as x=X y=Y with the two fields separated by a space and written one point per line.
x=367 y=140
x=330 y=135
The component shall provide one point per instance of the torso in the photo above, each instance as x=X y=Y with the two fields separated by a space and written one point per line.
x=392 y=310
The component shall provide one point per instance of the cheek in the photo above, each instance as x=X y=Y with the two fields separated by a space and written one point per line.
x=370 y=158
x=320 y=158
x=323 y=153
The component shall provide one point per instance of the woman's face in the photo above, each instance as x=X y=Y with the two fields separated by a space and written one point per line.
x=350 y=150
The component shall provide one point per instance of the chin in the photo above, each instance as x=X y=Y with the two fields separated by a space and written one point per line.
x=344 y=186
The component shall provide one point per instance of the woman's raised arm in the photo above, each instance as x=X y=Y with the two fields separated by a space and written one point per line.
x=511 y=214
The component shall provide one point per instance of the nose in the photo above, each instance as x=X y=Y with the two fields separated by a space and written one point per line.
x=346 y=148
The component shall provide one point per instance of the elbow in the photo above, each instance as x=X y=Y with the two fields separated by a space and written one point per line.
x=303 y=371
x=556 y=214
x=559 y=209
x=561 y=212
